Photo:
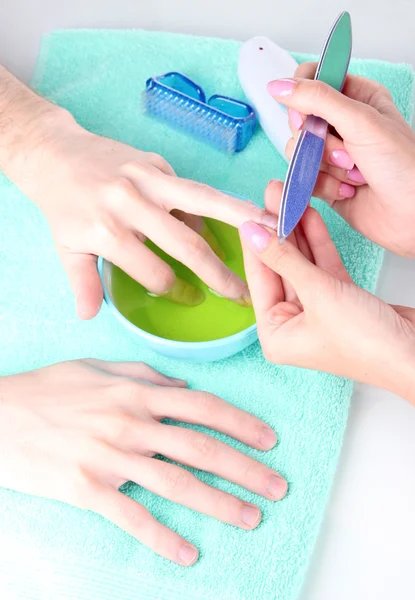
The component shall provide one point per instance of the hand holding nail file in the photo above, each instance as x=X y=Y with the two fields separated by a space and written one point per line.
x=305 y=163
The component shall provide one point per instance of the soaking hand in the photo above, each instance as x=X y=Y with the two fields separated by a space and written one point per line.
x=104 y=198
x=77 y=431
x=368 y=175
x=310 y=314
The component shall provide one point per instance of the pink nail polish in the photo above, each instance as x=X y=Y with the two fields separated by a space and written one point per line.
x=356 y=176
x=295 y=118
x=281 y=87
x=346 y=190
x=255 y=235
x=340 y=158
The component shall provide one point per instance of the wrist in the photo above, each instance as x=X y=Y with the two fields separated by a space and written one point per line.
x=27 y=138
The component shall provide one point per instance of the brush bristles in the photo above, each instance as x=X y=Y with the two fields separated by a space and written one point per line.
x=190 y=116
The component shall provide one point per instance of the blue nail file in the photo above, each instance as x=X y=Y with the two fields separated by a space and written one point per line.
x=305 y=163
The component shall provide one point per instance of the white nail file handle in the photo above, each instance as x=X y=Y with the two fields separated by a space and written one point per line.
x=261 y=61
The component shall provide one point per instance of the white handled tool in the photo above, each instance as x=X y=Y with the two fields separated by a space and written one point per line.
x=261 y=61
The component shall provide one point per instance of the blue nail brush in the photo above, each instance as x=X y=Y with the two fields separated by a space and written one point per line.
x=305 y=163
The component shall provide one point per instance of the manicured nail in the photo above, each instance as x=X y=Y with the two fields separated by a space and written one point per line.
x=255 y=235
x=267 y=438
x=188 y=555
x=185 y=293
x=250 y=515
x=270 y=221
x=277 y=487
x=209 y=237
x=340 y=158
x=356 y=176
x=346 y=190
x=295 y=118
x=281 y=87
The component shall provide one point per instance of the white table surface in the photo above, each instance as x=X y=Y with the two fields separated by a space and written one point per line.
x=366 y=547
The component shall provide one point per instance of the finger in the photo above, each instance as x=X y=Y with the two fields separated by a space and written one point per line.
x=160 y=163
x=296 y=119
x=322 y=246
x=306 y=70
x=201 y=451
x=334 y=155
x=272 y=196
x=138 y=522
x=187 y=247
x=265 y=286
x=139 y=262
x=343 y=172
x=85 y=282
x=196 y=198
x=178 y=485
x=136 y=370
x=352 y=119
x=199 y=225
x=202 y=408
x=281 y=257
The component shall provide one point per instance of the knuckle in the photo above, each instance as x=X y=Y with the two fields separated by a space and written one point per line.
x=195 y=247
x=107 y=232
x=320 y=91
x=117 y=191
x=158 y=161
x=129 y=390
x=163 y=277
x=208 y=404
x=205 y=446
x=176 y=480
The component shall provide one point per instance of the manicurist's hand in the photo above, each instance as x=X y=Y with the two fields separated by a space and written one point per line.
x=310 y=314
x=77 y=431
x=104 y=198
x=368 y=173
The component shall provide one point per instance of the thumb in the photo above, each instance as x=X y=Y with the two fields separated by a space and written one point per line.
x=85 y=282
x=282 y=257
x=351 y=118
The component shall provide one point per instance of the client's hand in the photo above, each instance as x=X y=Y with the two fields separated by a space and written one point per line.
x=368 y=173
x=77 y=431
x=310 y=314
x=105 y=198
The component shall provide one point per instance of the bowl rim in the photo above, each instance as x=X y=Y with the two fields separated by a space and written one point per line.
x=235 y=337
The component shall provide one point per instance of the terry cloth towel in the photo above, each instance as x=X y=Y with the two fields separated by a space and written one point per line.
x=50 y=550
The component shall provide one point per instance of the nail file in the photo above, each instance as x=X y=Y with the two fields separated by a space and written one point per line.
x=305 y=163
x=261 y=61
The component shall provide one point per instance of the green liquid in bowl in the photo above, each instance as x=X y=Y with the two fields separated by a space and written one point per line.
x=213 y=319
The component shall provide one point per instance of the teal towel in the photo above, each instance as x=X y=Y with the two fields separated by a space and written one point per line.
x=51 y=550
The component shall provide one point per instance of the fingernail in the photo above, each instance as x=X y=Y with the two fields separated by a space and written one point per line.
x=245 y=299
x=185 y=293
x=267 y=438
x=188 y=555
x=356 y=176
x=346 y=190
x=255 y=235
x=269 y=220
x=295 y=118
x=340 y=158
x=181 y=382
x=277 y=487
x=281 y=87
x=250 y=515
x=209 y=237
